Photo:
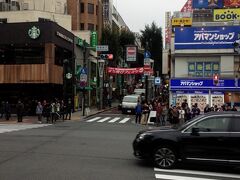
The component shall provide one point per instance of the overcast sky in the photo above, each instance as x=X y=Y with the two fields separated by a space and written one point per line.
x=138 y=13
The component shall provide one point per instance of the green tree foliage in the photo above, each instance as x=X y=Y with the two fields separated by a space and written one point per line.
x=151 y=40
x=116 y=41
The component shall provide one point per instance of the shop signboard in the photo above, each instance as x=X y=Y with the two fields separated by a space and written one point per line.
x=231 y=3
x=218 y=37
x=181 y=21
x=226 y=14
x=206 y=4
x=203 y=84
x=131 y=53
x=94 y=39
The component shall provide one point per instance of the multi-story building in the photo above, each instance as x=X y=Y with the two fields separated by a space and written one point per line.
x=202 y=48
x=37 y=50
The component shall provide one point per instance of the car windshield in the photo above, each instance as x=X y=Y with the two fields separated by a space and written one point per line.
x=130 y=99
x=183 y=126
x=139 y=91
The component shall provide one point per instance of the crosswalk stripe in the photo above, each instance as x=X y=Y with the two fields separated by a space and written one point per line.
x=171 y=177
x=104 y=119
x=114 y=120
x=94 y=119
x=198 y=173
x=124 y=120
x=10 y=128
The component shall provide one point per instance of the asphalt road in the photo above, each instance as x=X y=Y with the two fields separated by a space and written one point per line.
x=97 y=148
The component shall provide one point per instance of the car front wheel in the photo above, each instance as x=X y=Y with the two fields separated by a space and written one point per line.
x=165 y=157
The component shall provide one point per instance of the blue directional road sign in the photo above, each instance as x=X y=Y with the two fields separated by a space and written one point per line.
x=147 y=54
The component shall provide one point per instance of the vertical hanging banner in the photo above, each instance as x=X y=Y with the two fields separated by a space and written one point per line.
x=94 y=39
x=131 y=53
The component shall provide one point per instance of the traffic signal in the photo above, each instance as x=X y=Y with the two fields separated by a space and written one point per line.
x=215 y=79
x=106 y=56
x=236 y=46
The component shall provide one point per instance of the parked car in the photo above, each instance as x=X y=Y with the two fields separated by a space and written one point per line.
x=129 y=103
x=212 y=137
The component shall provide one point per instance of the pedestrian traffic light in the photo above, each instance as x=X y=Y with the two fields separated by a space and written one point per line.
x=215 y=79
x=106 y=56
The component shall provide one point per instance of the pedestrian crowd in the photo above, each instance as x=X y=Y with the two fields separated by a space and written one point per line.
x=50 y=110
x=173 y=115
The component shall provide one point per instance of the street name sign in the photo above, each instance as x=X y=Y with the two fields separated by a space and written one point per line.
x=102 y=48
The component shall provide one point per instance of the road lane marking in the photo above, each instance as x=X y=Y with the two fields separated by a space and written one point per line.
x=124 y=120
x=114 y=120
x=94 y=119
x=104 y=119
x=171 y=177
x=198 y=173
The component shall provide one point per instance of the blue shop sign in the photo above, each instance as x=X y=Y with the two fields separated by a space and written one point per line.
x=219 y=37
x=203 y=84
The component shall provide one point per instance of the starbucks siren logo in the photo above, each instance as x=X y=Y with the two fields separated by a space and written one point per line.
x=34 y=32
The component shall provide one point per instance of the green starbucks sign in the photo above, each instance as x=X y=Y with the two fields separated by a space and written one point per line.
x=34 y=32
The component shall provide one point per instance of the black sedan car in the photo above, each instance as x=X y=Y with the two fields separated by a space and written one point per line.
x=212 y=137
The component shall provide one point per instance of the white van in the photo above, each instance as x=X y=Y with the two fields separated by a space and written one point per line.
x=129 y=103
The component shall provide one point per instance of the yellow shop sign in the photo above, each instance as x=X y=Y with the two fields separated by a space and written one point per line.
x=181 y=21
x=226 y=14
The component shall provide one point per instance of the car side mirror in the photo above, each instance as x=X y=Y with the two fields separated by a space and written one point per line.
x=195 y=131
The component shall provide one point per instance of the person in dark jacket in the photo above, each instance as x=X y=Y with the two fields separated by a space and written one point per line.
x=20 y=111
x=7 y=110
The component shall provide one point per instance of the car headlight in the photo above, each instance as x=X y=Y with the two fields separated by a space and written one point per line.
x=143 y=135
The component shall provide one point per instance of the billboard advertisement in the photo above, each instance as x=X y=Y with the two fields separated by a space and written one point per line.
x=232 y=3
x=200 y=4
x=217 y=37
x=181 y=21
x=226 y=14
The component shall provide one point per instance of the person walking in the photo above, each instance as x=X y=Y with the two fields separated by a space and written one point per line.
x=181 y=116
x=138 y=111
x=20 y=111
x=164 y=114
x=2 y=109
x=39 y=111
x=158 y=114
x=145 y=112
x=7 y=110
x=69 y=109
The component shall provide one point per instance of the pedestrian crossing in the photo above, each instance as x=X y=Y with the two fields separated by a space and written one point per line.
x=5 y=128
x=180 y=174
x=118 y=120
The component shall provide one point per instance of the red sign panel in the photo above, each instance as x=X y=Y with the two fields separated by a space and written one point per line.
x=231 y=3
x=112 y=70
x=187 y=7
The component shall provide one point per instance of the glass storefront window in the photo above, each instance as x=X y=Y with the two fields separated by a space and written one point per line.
x=203 y=69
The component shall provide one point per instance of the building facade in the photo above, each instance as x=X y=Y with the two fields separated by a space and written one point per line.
x=32 y=67
x=202 y=47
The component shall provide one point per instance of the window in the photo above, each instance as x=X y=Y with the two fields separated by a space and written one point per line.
x=203 y=69
x=90 y=27
x=21 y=55
x=212 y=124
x=61 y=54
x=82 y=8
x=90 y=8
x=96 y=10
x=236 y=124
x=81 y=26
x=3 y=20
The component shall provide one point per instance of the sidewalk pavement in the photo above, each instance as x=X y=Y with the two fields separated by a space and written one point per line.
x=76 y=116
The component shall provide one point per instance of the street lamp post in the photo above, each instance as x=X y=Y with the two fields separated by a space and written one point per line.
x=101 y=70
